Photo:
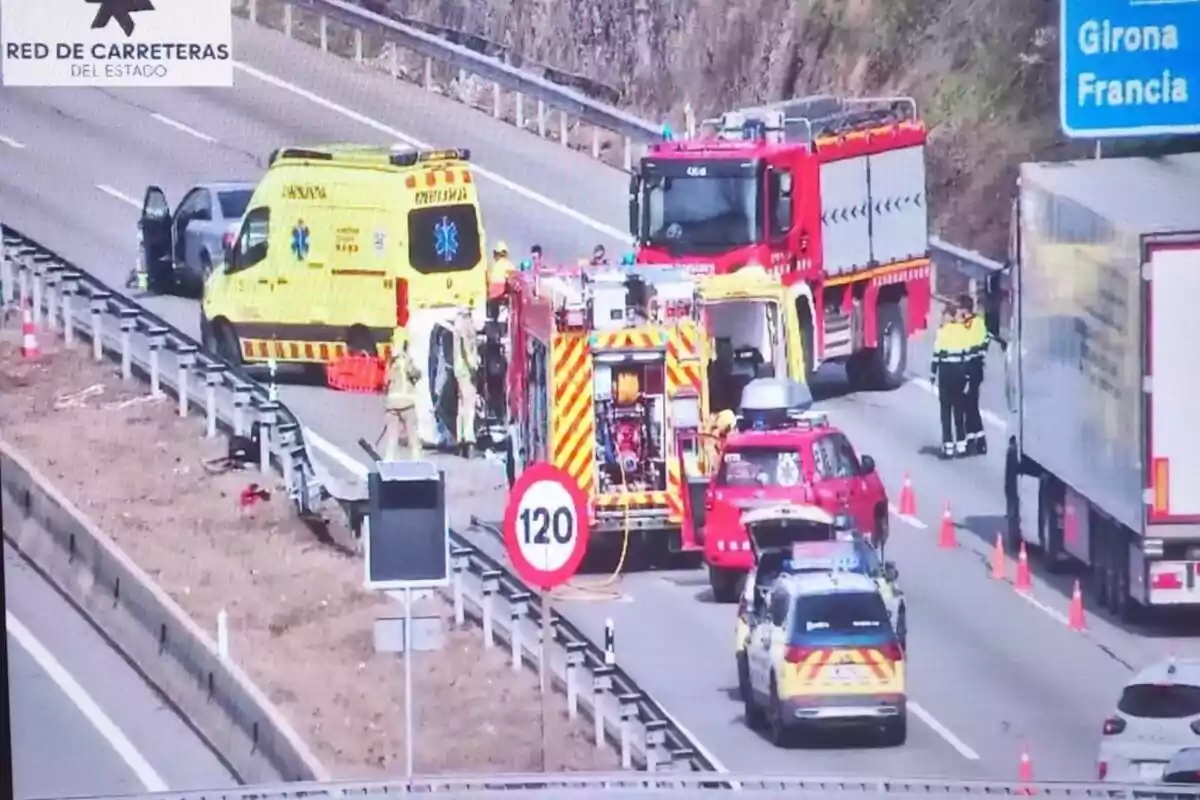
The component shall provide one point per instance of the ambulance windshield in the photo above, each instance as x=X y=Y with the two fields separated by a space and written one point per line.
x=443 y=238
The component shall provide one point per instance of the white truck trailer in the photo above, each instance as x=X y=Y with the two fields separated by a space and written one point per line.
x=1103 y=373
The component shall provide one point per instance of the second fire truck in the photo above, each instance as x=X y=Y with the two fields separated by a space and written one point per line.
x=826 y=193
x=607 y=381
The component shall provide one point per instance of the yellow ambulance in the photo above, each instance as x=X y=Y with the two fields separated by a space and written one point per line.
x=338 y=247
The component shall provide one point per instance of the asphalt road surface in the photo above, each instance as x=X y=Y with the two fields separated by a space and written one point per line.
x=990 y=671
x=83 y=721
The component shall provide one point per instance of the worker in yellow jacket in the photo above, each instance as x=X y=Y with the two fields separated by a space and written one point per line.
x=976 y=343
x=401 y=401
x=948 y=374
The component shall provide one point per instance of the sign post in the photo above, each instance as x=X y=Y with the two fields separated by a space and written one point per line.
x=1129 y=67
x=407 y=548
x=546 y=530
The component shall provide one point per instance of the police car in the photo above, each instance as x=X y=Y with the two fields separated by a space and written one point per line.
x=822 y=652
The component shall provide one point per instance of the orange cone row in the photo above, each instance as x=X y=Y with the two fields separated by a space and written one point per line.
x=1023 y=580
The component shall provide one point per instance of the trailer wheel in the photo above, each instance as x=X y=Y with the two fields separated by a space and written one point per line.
x=888 y=362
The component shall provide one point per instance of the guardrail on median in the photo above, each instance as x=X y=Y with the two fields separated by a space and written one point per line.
x=55 y=287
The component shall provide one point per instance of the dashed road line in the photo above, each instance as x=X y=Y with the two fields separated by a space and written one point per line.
x=179 y=126
x=118 y=195
x=86 y=705
x=363 y=119
x=11 y=142
x=941 y=730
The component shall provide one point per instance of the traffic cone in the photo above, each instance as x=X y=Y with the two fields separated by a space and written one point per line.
x=1075 y=618
x=998 y=559
x=29 y=342
x=1023 y=582
x=946 y=537
x=1025 y=767
x=908 y=501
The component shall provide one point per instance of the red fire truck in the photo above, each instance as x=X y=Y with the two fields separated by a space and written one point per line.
x=826 y=193
x=607 y=380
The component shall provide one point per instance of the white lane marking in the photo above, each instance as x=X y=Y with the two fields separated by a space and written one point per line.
x=1055 y=615
x=907 y=518
x=941 y=730
x=118 y=194
x=335 y=453
x=84 y=702
x=990 y=417
x=363 y=119
x=179 y=126
x=11 y=142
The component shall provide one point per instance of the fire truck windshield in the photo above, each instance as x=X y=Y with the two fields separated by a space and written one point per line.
x=697 y=207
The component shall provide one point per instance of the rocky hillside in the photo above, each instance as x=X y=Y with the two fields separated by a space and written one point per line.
x=983 y=71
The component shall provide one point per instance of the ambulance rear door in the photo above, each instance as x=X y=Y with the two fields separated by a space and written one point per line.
x=443 y=234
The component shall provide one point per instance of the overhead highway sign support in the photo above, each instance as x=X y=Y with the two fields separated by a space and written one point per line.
x=1129 y=67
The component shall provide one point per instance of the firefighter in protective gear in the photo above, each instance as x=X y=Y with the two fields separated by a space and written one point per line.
x=948 y=375
x=401 y=400
x=466 y=366
x=717 y=427
x=976 y=361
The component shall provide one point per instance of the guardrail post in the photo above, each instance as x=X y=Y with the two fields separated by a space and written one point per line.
x=682 y=755
x=267 y=417
x=214 y=374
x=358 y=46
x=497 y=106
x=460 y=560
x=656 y=737
x=519 y=111
x=491 y=584
x=39 y=287
x=595 y=142
x=324 y=25
x=394 y=59
x=575 y=651
x=69 y=290
x=628 y=154
x=564 y=129
x=518 y=606
x=24 y=268
x=252 y=11
x=601 y=685
x=185 y=358
x=541 y=118
x=610 y=643
x=241 y=399
x=287 y=437
x=287 y=20
x=627 y=705
x=6 y=271
x=98 y=304
x=128 y=318
x=53 y=278
x=428 y=73
x=157 y=339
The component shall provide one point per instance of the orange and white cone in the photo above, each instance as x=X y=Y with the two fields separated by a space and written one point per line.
x=1076 y=619
x=1024 y=581
x=908 y=499
x=999 y=560
x=29 y=342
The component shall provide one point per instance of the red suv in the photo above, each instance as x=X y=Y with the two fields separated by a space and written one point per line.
x=802 y=460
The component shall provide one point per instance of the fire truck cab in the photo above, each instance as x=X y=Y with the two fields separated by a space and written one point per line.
x=826 y=193
x=608 y=381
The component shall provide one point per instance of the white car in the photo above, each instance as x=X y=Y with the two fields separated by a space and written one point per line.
x=1157 y=715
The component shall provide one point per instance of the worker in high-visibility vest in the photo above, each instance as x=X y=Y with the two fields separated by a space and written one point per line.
x=948 y=374
x=977 y=341
x=401 y=400
x=466 y=366
x=498 y=275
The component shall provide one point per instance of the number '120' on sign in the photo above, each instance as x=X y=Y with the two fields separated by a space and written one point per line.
x=546 y=526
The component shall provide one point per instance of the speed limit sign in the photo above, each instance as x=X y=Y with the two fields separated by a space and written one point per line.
x=546 y=526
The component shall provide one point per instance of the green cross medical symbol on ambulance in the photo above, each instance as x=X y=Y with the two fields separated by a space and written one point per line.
x=300 y=241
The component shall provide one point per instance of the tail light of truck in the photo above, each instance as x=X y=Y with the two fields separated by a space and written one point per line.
x=401 y=303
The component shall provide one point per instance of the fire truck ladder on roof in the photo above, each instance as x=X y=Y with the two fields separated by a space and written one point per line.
x=806 y=119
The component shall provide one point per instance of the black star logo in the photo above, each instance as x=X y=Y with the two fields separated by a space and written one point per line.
x=120 y=11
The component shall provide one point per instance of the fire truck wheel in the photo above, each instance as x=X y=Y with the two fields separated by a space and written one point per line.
x=888 y=362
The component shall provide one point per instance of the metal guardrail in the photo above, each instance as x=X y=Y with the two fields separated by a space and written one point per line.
x=57 y=288
x=628 y=785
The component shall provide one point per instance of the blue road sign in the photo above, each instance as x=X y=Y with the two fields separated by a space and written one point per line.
x=1129 y=67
